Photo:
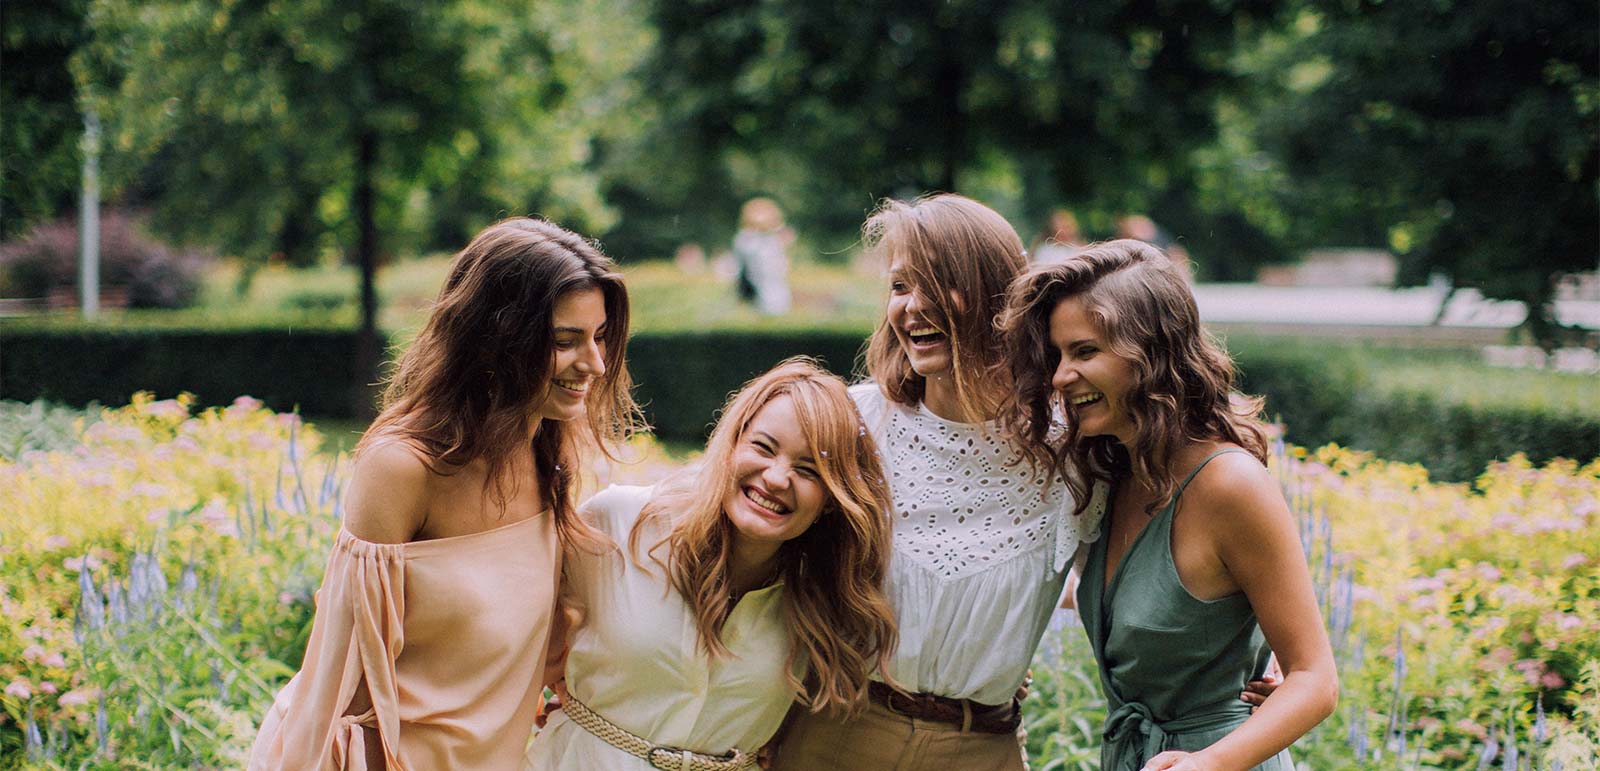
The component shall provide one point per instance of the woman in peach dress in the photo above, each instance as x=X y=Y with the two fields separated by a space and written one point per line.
x=433 y=619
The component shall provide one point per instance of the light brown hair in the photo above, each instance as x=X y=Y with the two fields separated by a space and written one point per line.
x=838 y=618
x=1183 y=388
x=467 y=387
x=951 y=247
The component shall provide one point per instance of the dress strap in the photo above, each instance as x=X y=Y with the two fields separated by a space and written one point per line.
x=1202 y=464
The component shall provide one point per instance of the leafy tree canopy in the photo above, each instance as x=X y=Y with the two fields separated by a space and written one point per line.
x=1459 y=133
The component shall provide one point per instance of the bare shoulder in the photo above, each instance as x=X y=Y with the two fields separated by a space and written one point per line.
x=389 y=492
x=1235 y=491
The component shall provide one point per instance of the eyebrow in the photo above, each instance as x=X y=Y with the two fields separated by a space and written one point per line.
x=774 y=442
x=579 y=330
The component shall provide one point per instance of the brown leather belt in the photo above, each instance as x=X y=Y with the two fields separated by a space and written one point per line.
x=962 y=713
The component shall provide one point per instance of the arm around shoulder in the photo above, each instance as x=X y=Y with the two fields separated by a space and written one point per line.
x=388 y=497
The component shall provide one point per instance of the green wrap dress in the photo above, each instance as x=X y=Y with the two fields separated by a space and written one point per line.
x=1171 y=665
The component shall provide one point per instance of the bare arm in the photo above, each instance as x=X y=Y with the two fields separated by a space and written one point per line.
x=1069 y=590
x=387 y=503
x=1253 y=535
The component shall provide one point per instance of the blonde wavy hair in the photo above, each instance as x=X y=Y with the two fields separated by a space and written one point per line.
x=837 y=615
x=1183 y=386
x=953 y=250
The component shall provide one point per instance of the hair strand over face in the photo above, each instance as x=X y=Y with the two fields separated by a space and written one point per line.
x=958 y=256
x=1183 y=387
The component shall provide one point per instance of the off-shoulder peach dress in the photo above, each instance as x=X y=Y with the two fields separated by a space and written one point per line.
x=449 y=636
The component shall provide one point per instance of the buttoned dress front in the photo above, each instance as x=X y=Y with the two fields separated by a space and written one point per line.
x=636 y=659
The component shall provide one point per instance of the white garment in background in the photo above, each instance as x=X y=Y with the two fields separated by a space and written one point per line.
x=763 y=257
x=981 y=548
x=636 y=659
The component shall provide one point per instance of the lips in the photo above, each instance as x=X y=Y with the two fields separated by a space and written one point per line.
x=924 y=337
x=1084 y=400
x=577 y=389
x=766 y=503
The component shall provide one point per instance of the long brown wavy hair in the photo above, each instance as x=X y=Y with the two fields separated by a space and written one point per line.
x=837 y=615
x=467 y=387
x=951 y=247
x=1183 y=385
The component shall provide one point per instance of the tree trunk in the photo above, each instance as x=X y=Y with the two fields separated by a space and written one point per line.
x=949 y=78
x=368 y=347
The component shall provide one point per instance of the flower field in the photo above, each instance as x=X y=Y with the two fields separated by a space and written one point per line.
x=157 y=566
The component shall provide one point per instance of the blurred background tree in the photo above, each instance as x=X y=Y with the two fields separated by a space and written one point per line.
x=1456 y=133
x=39 y=120
x=1460 y=134
x=1025 y=103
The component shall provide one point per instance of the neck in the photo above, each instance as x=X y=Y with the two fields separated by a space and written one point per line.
x=751 y=565
x=939 y=395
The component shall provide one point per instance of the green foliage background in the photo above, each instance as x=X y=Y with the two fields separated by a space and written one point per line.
x=1458 y=133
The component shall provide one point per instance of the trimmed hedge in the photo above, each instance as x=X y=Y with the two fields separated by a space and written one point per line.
x=1329 y=393
x=1323 y=393
x=684 y=377
x=310 y=369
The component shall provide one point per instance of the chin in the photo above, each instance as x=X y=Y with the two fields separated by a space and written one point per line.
x=929 y=369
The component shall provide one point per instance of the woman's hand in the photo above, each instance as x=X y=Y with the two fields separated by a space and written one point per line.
x=1256 y=691
x=1173 y=760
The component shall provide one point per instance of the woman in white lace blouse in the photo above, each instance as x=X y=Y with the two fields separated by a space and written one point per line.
x=982 y=543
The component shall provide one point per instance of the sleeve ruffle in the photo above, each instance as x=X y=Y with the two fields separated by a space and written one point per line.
x=356 y=637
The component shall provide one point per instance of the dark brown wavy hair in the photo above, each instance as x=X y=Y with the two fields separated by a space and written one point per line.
x=467 y=387
x=837 y=614
x=951 y=246
x=1183 y=386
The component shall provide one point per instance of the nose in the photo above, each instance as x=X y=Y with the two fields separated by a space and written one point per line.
x=915 y=303
x=776 y=475
x=1064 y=376
x=592 y=361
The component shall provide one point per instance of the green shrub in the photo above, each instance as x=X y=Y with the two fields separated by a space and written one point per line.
x=1437 y=409
x=684 y=377
x=1454 y=422
x=309 y=368
x=40 y=427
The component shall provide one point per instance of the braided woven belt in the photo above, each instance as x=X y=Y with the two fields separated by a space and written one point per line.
x=658 y=756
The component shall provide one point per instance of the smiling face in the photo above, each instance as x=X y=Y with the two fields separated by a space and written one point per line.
x=777 y=492
x=925 y=343
x=579 y=326
x=1093 y=382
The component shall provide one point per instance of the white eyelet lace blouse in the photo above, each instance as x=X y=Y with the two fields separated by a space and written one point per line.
x=981 y=549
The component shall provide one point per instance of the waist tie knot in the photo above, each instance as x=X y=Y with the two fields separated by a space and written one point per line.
x=1133 y=735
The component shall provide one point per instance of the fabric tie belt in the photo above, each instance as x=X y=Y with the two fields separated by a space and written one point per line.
x=1133 y=736
x=965 y=714
x=658 y=756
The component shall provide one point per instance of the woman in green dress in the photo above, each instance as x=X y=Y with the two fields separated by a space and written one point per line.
x=1199 y=576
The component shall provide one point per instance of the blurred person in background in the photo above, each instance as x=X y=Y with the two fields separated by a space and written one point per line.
x=761 y=251
x=433 y=619
x=1199 y=576
x=1141 y=228
x=1062 y=238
